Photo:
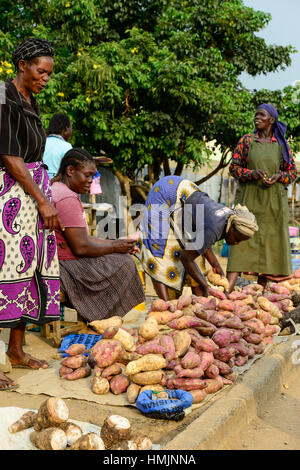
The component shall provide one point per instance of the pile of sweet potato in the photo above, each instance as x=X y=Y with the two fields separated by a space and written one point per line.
x=192 y=343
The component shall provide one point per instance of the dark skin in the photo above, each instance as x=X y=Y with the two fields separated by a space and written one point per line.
x=188 y=257
x=67 y=132
x=79 y=179
x=263 y=122
x=32 y=77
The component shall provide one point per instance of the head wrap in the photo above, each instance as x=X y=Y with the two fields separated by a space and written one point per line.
x=279 y=130
x=243 y=221
x=31 y=48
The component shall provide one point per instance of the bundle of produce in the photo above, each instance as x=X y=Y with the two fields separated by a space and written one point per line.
x=75 y=366
x=52 y=428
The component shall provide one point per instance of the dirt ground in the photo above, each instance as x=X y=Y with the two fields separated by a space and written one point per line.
x=277 y=427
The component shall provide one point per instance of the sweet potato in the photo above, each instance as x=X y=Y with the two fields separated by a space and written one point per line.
x=205 y=344
x=167 y=343
x=110 y=332
x=107 y=351
x=146 y=363
x=147 y=378
x=209 y=303
x=259 y=348
x=232 y=376
x=208 y=330
x=279 y=289
x=217 y=293
x=271 y=330
x=246 y=315
x=213 y=385
x=159 y=305
x=237 y=296
x=182 y=342
x=74 y=362
x=277 y=297
x=75 y=349
x=154 y=388
x=264 y=316
x=224 y=354
x=163 y=318
x=222 y=337
x=100 y=385
x=172 y=305
x=253 y=338
x=98 y=371
x=226 y=381
x=241 y=348
x=186 y=322
x=126 y=339
x=190 y=359
x=132 y=392
x=119 y=384
x=65 y=370
x=217 y=280
x=101 y=325
x=114 y=369
x=195 y=372
x=212 y=371
x=233 y=322
x=206 y=360
x=79 y=373
x=172 y=364
x=185 y=383
x=149 y=328
x=215 y=318
x=265 y=304
x=240 y=360
x=184 y=301
x=226 y=305
x=151 y=348
x=223 y=367
x=198 y=396
x=256 y=325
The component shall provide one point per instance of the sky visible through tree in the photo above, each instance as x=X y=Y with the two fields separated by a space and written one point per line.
x=283 y=29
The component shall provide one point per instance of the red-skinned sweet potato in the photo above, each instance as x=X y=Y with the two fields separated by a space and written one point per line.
x=212 y=372
x=190 y=360
x=225 y=354
x=185 y=383
x=222 y=337
x=119 y=384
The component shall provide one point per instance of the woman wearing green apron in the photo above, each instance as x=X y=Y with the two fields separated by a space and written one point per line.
x=264 y=167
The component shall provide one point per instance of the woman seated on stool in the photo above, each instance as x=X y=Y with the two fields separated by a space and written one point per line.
x=98 y=277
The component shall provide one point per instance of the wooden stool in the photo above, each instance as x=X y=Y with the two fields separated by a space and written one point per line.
x=61 y=328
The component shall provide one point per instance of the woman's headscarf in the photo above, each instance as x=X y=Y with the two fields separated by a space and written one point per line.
x=279 y=129
x=31 y=48
x=243 y=221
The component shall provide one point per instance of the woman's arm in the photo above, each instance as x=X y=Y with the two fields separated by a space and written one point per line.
x=82 y=245
x=187 y=258
x=19 y=171
x=213 y=261
x=238 y=166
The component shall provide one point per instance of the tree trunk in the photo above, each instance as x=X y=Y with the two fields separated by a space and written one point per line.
x=222 y=164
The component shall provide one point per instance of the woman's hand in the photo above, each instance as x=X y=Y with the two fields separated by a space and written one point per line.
x=124 y=245
x=258 y=174
x=273 y=179
x=50 y=216
x=218 y=270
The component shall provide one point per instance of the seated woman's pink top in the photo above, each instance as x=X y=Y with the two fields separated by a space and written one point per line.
x=71 y=213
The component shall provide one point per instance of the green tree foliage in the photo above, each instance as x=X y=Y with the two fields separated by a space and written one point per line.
x=149 y=81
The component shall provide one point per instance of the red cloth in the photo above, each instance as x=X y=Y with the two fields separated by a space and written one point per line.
x=71 y=213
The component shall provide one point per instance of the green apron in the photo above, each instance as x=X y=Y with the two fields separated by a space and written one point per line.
x=268 y=251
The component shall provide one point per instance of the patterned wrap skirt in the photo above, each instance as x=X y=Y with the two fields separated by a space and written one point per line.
x=29 y=268
x=102 y=287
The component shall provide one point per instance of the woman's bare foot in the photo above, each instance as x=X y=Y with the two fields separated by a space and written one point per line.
x=26 y=361
x=6 y=383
